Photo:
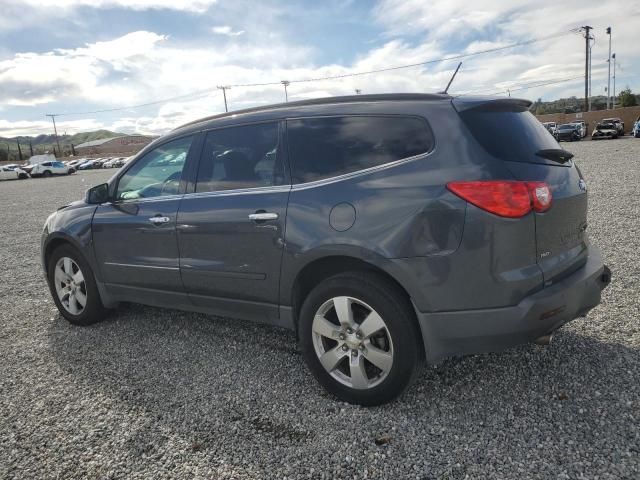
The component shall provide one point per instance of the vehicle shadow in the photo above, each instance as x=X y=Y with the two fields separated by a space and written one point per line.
x=216 y=382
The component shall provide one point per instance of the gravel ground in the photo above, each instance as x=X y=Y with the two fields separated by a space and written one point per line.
x=152 y=393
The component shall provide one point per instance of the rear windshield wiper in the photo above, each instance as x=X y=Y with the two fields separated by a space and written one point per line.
x=555 y=154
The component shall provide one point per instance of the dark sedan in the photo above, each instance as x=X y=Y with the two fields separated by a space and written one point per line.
x=568 y=132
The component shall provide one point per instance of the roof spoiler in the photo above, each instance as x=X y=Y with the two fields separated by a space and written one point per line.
x=491 y=104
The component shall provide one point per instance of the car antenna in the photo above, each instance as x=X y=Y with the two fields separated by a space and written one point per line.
x=452 y=77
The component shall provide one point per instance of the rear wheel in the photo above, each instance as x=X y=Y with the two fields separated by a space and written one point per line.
x=73 y=287
x=359 y=338
x=46 y=173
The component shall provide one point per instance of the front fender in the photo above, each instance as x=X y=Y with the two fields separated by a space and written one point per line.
x=70 y=225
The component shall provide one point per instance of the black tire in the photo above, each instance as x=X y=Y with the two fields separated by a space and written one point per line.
x=22 y=176
x=93 y=311
x=46 y=174
x=398 y=315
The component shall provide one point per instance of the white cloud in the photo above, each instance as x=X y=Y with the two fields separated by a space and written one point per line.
x=185 y=5
x=144 y=66
x=226 y=30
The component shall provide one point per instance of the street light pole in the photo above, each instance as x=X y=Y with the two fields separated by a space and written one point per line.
x=609 y=74
x=286 y=83
x=613 y=99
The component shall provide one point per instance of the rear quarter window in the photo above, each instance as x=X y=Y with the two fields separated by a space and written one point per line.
x=509 y=133
x=325 y=147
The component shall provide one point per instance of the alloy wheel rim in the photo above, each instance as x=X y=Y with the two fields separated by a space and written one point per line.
x=352 y=342
x=70 y=285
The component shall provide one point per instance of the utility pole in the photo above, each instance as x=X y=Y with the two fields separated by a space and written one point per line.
x=224 y=94
x=55 y=130
x=587 y=38
x=590 y=63
x=19 y=149
x=609 y=74
x=286 y=83
x=31 y=147
x=613 y=98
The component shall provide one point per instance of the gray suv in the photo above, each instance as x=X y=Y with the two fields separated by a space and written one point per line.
x=385 y=230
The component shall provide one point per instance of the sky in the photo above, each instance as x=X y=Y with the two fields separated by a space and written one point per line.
x=77 y=56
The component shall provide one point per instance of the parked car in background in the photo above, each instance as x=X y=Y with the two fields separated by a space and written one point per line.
x=340 y=219
x=568 y=132
x=113 y=162
x=636 y=129
x=582 y=128
x=89 y=165
x=619 y=124
x=47 y=169
x=11 y=172
x=552 y=127
x=120 y=162
x=604 y=130
x=76 y=162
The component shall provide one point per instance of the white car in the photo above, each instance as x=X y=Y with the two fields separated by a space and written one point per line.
x=9 y=172
x=46 y=169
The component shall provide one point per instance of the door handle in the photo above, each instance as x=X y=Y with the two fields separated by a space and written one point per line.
x=159 y=220
x=262 y=216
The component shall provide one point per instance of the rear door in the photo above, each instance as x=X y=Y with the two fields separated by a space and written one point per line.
x=231 y=228
x=511 y=134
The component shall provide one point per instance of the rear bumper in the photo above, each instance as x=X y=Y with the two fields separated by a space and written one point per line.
x=454 y=333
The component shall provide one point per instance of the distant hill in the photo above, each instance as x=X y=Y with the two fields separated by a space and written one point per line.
x=571 y=105
x=43 y=143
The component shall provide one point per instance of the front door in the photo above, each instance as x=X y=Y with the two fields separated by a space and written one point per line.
x=231 y=229
x=135 y=235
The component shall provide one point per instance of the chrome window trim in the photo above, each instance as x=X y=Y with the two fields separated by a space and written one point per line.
x=358 y=173
x=306 y=185
x=240 y=191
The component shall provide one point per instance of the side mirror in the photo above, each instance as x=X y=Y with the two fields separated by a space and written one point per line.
x=97 y=194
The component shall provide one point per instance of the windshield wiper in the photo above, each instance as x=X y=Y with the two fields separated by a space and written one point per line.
x=555 y=154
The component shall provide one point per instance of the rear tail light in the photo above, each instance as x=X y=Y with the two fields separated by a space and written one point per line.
x=506 y=198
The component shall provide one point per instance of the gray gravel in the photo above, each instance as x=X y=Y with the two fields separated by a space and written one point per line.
x=152 y=393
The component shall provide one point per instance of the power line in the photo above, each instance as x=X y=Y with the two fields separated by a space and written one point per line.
x=195 y=95
x=330 y=77
x=523 y=86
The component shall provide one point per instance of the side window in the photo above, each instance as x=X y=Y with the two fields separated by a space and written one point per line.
x=157 y=173
x=46 y=164
x=326 y=147
x=241 y=157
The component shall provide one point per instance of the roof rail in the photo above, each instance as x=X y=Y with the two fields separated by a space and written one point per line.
x=325 y=101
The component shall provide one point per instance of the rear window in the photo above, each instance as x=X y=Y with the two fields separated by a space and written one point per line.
x=330 y=146
x=512 y=135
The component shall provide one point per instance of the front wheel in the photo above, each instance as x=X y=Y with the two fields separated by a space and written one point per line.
x=46 y=174
x=359 y=338
x=73 y=287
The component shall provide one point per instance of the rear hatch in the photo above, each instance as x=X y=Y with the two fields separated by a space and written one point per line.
x=510 y=133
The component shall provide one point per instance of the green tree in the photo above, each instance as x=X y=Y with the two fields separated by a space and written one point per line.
x=627 y=99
